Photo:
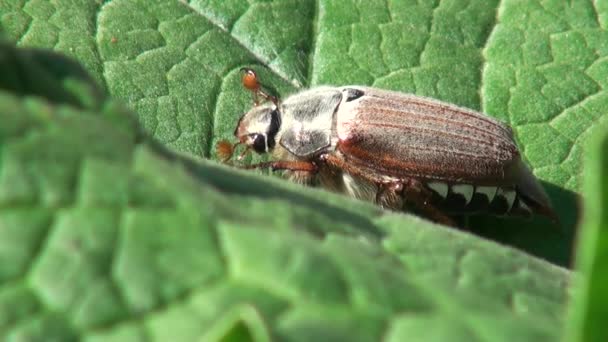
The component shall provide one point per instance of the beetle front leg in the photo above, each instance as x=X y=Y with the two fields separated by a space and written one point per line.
x=303 y=166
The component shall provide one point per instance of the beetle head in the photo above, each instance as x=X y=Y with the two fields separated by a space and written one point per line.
x=257 y=129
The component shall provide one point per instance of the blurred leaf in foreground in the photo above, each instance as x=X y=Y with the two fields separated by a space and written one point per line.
x=110 y=236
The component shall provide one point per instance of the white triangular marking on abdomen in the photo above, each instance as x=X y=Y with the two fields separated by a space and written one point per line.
x=440 y=188
x=508 y=195
x=488 y=191
x=524 y=206
x=465 y=190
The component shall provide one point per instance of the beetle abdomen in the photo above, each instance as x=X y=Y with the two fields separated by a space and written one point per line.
x=457 y=199
x=523 y=197
x=469 y=199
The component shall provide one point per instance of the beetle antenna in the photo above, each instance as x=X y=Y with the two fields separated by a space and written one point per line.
x=225 y=150
x=251 y=82
x=272 y=99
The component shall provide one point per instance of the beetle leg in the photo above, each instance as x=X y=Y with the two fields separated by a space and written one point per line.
x=304 y=166
x=417 y=194
x=339 y=163
x=389 y=195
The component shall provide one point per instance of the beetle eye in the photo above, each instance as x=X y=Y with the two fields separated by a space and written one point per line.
x=259 y=143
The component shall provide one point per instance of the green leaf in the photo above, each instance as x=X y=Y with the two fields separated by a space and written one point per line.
x=279 y=33
x=125 y=239
x=539 y=66
x=47 y=74
x=591 y=302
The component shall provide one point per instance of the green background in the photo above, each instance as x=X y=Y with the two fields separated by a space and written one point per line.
x=111 y=226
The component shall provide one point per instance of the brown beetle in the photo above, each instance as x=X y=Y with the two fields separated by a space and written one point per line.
x=401 y=151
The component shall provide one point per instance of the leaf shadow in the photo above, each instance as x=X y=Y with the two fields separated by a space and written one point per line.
x=538 y=236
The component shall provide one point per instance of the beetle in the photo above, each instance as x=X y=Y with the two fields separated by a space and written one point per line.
x=401 y=151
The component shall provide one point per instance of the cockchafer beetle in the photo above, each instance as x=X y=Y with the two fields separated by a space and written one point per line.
x=401 y=151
